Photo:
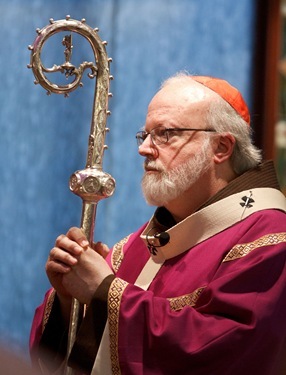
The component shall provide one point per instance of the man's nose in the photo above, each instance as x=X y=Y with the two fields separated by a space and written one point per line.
x=147 y=147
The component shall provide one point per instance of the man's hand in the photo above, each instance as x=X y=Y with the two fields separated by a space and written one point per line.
x=74 y=268
x=101 y=249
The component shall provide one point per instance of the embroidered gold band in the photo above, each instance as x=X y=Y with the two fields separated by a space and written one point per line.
x=178 y=303
x=114 y=297
x=242 y=250
x=117 y=254
x=48 y=309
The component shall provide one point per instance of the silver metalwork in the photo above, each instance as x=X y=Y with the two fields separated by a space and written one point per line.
x=91 y=183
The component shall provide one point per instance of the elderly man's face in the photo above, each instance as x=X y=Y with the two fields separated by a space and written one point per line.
x=172 y=168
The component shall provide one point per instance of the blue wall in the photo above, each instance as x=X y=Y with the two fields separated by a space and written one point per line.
x=43 y=139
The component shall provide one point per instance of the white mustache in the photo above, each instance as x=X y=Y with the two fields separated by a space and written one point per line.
x=151 y=164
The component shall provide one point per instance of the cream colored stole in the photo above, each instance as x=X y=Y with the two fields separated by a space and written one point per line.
x=189 y=232
x=213 y=219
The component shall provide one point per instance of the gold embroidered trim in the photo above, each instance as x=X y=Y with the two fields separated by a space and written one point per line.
x=48 y=309
x=178 y=303
x=117 y=254
x=242 y=250
x=114 y=298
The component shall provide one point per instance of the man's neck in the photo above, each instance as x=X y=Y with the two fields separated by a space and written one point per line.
x=191 y=200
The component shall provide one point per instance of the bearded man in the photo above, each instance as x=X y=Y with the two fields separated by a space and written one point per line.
x=200 y=288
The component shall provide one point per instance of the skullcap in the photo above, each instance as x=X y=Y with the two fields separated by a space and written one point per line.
x=228 y=92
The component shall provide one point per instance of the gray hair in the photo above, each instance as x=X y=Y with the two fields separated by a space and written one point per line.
x=224 y=119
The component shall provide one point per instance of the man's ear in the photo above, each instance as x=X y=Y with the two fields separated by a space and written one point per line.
x=223 y=147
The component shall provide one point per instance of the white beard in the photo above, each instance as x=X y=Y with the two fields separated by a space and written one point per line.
x=162 y=187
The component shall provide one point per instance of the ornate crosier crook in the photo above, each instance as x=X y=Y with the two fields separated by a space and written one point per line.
x=91 y=183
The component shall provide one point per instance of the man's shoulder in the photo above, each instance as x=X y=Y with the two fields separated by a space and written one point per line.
x=272 y=218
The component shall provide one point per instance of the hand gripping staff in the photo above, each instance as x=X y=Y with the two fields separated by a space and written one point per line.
x=91 y=183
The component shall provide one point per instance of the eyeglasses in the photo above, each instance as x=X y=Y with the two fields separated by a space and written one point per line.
x=161 y=135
